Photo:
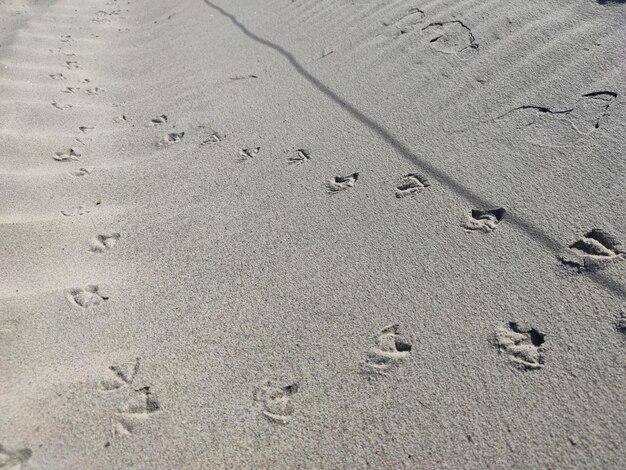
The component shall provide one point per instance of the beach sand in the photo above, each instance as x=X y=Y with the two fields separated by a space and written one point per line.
x=322 y=234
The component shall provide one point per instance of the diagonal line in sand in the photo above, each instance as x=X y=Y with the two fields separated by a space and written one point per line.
x=534 y=232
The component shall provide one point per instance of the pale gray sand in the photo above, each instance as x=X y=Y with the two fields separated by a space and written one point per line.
x=267 y=234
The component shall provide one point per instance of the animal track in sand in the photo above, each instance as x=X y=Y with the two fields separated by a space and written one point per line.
x=450 y=37
x=133 y=404
x=405 y=22
x=85 y=129
x=78 y=210
x=170 y=139
x=157 y=121
x=70 y=89
x=66 y=155
x=300 y=156
x=81 y=172
x=214 y=138
x=13 y=459
x=72 y=64
x=485 y=221
x=142 y=402
x=60 y=106
x=66 y=38
x=94 y=90
x=140 y=405
x=522 y=345
x=276 y=401
x=57 y=76
x=246 y=154
x=390 y=351
x=102 y=243
x=120 y=427
x=410 y=184
x=122 y=375
x=120 y=119
x=84 y=80
x=86 y=297
x=341 y=183
x=593 y=251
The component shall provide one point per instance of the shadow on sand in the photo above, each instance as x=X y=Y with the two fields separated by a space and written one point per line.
x=474 y=199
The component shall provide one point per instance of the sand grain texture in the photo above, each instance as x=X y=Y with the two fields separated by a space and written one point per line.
x=312 y=234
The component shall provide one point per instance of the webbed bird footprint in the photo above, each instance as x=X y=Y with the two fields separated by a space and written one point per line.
x=246 y=154
x=214 y=138
x=94 y=90
x=79 y=210
x=522 y=345
x=86 y=297
x=102 y=243
x=81 y=172
x=593 y=251
x=485 y=221
x=391 y=350
x=170 y=139
x=67 y=155
x=300 y=156
x=61 y=106
x=122 y=375
x=134 y=405
x=156 y=121
x=121 y=427
x=276 y=401
x=142 y=402
x=136 y=408
x=341 y=183
x=411 y=184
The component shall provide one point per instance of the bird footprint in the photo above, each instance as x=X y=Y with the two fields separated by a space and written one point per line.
x=341 y=183
x=391 y=349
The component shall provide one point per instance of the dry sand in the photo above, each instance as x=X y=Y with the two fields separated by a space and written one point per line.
x=322 y=234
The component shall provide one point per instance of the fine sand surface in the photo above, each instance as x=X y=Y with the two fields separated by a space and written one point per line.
x=321 y=234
